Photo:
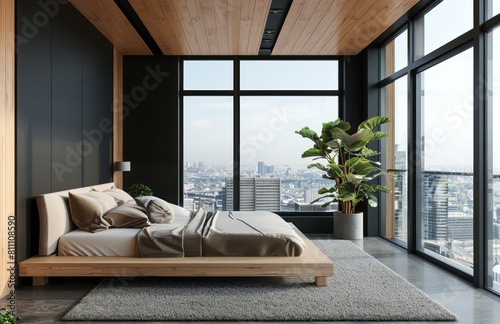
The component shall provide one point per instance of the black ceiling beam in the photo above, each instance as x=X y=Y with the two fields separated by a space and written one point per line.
x=139 y=26
x=275 y=20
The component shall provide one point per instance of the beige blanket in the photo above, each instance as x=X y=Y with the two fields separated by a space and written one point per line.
x=222 y=234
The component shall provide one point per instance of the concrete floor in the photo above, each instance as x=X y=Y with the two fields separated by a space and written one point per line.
x=473 y=306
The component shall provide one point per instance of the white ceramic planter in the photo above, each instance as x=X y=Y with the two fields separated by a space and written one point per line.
x=348 y=226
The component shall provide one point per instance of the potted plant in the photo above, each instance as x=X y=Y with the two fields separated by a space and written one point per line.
x=350 y=165
x=139 y=190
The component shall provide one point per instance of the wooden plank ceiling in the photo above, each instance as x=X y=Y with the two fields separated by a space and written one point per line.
x=109 y=19
x=235 y=27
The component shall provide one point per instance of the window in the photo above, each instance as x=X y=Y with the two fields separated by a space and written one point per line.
x=289 y=75
x=448 y=20
x=492 y=8
x=446 y=180
x=208 y=75
x=208 y=150
x=394 y=55
x=395 y=106
x=264 y=112
x=493 y=222
x=270 y=150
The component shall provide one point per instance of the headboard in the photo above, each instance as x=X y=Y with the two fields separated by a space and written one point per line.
x=55 y=217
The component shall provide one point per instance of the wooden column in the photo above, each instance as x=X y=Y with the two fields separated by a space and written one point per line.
x=117 y=115
x=7 y=139
x=390 y=111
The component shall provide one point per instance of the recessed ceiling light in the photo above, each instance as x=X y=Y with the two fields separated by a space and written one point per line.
x=275 y=11
x=269 y=31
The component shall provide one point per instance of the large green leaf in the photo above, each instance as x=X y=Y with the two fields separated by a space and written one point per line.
x=313 y=152
x=308 y=133
x=317 y=166
x=336 y=168
x=327 y=127
x=366 y=152
x=374 y=122
x=347 y=186
x=348 y=196
x=372 y=200
x=352 y=143
x=324 y=190
x=378 y=135
x=363 y=167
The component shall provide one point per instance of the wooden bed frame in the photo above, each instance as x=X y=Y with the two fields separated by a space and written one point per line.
x=312 y=263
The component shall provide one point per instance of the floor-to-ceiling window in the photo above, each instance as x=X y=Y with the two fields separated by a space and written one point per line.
x=240 y=150
x=446 y=179
x=493 y=117
x=444 y=105
x=394 y=104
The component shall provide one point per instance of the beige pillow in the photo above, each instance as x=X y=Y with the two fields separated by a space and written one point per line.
x=159 y=211
x=127 y=215
x=119 y=195
x=179 y=212
x=88 y=208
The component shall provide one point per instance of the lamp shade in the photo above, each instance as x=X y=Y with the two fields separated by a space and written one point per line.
x=122 y=166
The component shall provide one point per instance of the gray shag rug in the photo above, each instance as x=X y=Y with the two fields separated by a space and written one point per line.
x=362 y=289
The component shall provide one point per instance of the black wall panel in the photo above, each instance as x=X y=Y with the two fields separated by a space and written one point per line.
x=151 y=123
x=63 y=86
x=97 y=105
x=33 y=119
x=67 y=97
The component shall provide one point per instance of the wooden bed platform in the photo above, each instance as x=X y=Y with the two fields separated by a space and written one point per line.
x=55 y=221
x=313 y=262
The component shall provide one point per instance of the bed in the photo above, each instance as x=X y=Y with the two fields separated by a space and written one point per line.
x=64 y=250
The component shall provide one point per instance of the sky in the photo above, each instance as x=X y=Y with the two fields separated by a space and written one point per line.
x=268 y=123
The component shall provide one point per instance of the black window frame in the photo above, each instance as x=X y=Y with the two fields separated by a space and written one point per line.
x=237 y=93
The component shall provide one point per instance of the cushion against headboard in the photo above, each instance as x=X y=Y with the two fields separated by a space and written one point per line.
x=55 y=216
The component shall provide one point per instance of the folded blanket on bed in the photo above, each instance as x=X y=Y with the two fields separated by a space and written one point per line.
x=222 y=233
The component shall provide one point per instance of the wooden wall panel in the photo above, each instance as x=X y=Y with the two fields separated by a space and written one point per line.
x=390 y=111
x=7 y=133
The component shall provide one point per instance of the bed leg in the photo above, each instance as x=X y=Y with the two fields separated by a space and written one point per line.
x=321 y=281
x=40 y=281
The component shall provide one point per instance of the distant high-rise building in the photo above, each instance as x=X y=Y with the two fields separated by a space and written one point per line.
x=261 y=168
x=460 y=226
x=316 y=207
x=189 y=204
x=255 y=194
x=400 y=197
x=310 y=195
x=435 y=206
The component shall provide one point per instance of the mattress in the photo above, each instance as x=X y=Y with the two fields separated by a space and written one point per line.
x=111 y=242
